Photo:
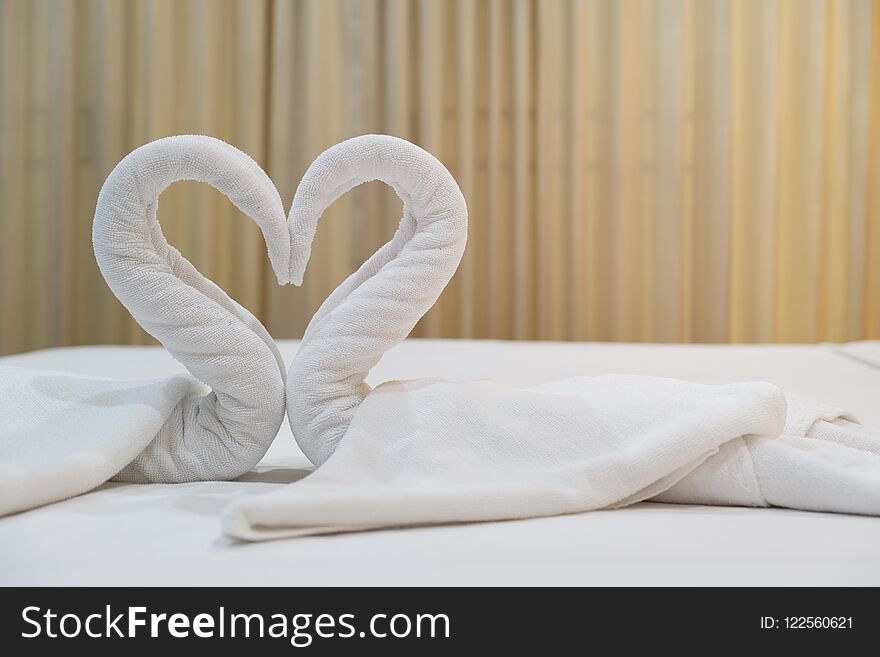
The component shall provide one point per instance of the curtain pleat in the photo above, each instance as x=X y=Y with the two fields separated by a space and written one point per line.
x=641 y=170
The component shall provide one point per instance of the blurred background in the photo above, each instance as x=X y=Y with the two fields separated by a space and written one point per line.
x=642 y=170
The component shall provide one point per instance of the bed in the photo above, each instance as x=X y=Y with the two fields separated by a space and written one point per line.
x=125 y=534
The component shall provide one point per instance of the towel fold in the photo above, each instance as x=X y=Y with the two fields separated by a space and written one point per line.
x=420 y=452
x=426 y=451
x=62 y=435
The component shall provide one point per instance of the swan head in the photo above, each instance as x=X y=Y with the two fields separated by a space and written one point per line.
x=419 y=179
x=331 y=175
x=300 y=252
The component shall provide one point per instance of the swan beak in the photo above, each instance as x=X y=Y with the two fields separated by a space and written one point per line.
x=300 y=250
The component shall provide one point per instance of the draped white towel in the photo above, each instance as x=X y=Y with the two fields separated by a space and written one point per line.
x=62 y=435
x=430 y=451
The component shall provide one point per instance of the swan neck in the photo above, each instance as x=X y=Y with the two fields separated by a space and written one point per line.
x=380 y=304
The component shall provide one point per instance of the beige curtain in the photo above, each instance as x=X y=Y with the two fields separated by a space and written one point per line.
x=649 y=170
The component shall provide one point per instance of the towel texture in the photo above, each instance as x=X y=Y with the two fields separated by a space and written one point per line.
x=427 y=451
x=63 y=435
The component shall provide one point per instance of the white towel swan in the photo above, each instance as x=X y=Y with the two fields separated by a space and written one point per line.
x=430 y=451
x=62 y=435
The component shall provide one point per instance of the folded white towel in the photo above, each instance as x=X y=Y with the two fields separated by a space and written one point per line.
x=427 y=451
x=62 y=435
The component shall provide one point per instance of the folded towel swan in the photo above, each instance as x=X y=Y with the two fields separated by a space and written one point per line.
x=429 y=451
x=62 y=435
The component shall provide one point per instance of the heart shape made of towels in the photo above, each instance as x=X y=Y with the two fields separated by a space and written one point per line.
x=63 y=434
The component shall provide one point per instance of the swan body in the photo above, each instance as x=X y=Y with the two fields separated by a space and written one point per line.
x=63 y=434
x=428 y=451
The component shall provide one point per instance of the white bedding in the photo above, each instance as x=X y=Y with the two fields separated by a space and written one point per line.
x=169 y=534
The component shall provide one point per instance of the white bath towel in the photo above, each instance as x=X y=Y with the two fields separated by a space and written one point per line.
x=62 y=435
x=427 y=451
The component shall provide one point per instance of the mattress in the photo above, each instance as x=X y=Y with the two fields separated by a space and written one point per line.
x=123 y=534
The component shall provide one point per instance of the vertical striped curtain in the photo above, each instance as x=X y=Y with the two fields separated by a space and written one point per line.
x=640 y=170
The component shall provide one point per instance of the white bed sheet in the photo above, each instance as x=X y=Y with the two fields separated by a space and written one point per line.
x=125 y=534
